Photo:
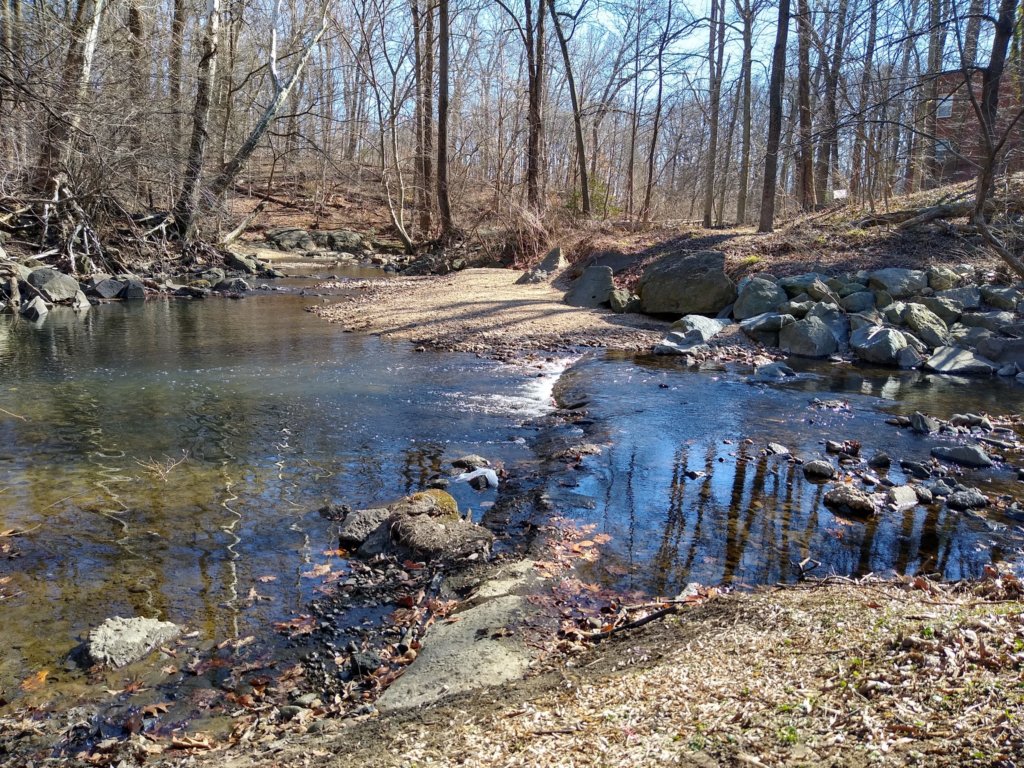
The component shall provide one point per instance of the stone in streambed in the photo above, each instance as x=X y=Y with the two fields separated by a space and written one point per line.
x=819 y=470
x=119 y=641
x=847 y=500
x=35 y=309
x=359 y=524
x=875 y=344
x=954 y=360
x=965 y=455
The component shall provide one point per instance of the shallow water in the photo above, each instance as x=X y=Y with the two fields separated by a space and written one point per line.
x=166 y=458
x=750 y=518
x=165 y=455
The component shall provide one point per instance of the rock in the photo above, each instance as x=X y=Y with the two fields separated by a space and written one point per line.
x=819 y=291
x=880 y=460
x=858 y=302
x=926 y=324
x=359 y=524
x=819 y=470
x=835 y=319
x=923 y=424
x=364 y=663
x=882 y=299
x=954 y=360
x=942 y=278
x=107 y=289
x=1001 y=298
x=233 y=285
x=809 y=337
x=706 y=327
x=797 y=309
x=80 y=302
x=592 y=288
x=924 y=496
x=1002 y=351
x=290 y=239
x=622 y=301
x=971 y=498
x=991 y=321
x=773 y=372
x=676 y=343
x=964 y=455
x=427 y=538
x=898 y=283
x=1008 y=370
x=902 y=497
x=685 y=283
x=133 y=289
x=756 y=297
x=947 y=310
x=963 y=336
x=969 y=297
x=777 y=449
x=55 y=286
x=875 y=344
x=908 y=358
x=242 y=263
x=847 y=500
x=765 y=328
x=35 y=309
x=119 y=641
x=470 y=461
x=548 y=267
x=798 y=284
x=848 y=289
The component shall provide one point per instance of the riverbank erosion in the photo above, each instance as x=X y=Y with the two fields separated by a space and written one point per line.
x=836 y=673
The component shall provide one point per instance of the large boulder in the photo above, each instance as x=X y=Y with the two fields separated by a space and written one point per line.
x=1001 y=298
x=964 y=455
x=118 y=641
x=765 y=328
x=756 y=297
x=35 y=309
x=107 y=288
x=948 y=310
x=359 y=524
x=798 y=284
x=426 y=526
x=685 y=283
x=55 y=286
x=1003 y=351
x=809 y=337
x=835 y=319
x=969 y=296
x=847 y=500
x=955 y=360
x=592 y=289
x=990 y=321
x=942 y=278
x=928 y=326
x=875 y=344
x=246 y=264
x=899 y=283
x=707 y=327
x=861 y=301
x=290 y=239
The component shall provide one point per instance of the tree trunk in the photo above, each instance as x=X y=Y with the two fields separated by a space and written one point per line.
x=716 y=48
x=174 y=72
x=858 y=152
x=443 y=201
x=747 y=15
x=805 y=153
x=771 y=160
x=61 y=128
x=282 y=90
x=829 y=140
x=534 y=29
x=188 y=201
x=970 y=53
x=577 y=115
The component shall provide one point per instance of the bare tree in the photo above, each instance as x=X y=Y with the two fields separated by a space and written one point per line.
x=771 y=160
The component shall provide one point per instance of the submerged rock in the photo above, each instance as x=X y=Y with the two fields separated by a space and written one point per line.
x=119 y=641
x=969 y=498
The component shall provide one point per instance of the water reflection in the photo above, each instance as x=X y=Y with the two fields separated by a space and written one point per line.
x=688 y=492
x=167 y=454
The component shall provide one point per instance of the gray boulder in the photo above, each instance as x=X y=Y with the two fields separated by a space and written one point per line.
x=55 y=286
x=1001 y=298
x=928 y=326
x=909 y=357
x=107 y=288
x=622 y=301
x=835 y=319
x=359 y=524
x=819 y=470
x=798 y=284
x=942 y=278
x=797 y=309
x=899 y=283
x=707 y=327
x=848 y=289
x=35 y=309
x=902 y=497
x=1002 y=350
x=233 y=285
x=964 y=455
x=819 y=291
x=592 y=289
x=875 y=344
x=678 y=343
x=861 y=301
x=969 y=296
x=991 y=321
x=291 y=239
x=133 y=289
x=686 y=283
x=971 y=498
x=961 y=335
x=765 y=328
x=245 y=264
x=954 y=360
x=947 y=310
x=80 y=302
x=809 y=337
x=118 y=641
x=756 y=297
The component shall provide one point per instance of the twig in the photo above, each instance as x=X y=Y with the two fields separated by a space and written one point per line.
x=12 y=415
x=597 y=637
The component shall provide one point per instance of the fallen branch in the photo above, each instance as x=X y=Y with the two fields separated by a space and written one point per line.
x=596 y=637
x=235 y=233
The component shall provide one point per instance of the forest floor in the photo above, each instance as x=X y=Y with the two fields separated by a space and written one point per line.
x=829 y=673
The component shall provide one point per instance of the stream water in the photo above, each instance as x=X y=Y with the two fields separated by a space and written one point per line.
x=166 y=458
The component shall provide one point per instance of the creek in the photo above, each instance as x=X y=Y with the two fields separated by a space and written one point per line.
x=166 y=458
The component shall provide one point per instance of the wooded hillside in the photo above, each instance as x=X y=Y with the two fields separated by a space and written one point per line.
x=458 y=110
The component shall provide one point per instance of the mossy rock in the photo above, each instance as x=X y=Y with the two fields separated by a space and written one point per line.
x=435 y=502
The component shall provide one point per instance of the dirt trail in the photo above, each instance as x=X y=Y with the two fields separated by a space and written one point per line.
x=484 y=311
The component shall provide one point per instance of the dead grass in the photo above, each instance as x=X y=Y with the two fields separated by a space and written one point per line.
x=832 y=673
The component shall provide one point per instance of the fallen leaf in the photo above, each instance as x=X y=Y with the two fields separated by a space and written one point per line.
x=317 y=572
x=266 y=579
x=34 y=682
x=152 y=710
